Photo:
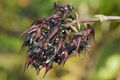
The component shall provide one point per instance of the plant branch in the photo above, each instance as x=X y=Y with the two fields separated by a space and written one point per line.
x=95 y=19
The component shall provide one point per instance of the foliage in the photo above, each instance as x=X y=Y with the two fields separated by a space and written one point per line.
x=17 y=15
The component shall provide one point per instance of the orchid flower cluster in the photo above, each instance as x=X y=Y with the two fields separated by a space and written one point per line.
x=51 y=40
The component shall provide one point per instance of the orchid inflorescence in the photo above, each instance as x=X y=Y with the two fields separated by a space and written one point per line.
x=51 y=40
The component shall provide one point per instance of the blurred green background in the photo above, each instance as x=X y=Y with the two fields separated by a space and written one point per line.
x=102 y=63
